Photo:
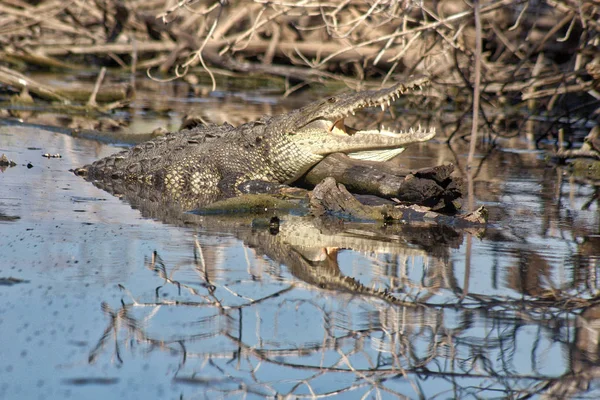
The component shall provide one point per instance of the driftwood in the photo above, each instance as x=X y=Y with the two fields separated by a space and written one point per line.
x=64 y=95
x=17 y=80
x=432 y=187
x=589 y=149
x=330 y=197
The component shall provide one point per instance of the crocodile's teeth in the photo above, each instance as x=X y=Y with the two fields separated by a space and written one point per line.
x=352 y=112
x=382 y=107
x=388 y=102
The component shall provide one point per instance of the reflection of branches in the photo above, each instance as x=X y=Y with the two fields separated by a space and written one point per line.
x=373 y=349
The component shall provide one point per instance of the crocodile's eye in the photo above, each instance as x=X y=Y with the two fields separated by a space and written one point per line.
x=331 y=100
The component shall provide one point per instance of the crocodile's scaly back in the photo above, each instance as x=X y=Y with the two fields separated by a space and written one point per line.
x=203 y=164
x=147 y=158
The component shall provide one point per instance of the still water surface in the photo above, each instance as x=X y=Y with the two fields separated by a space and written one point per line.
x=97 y=300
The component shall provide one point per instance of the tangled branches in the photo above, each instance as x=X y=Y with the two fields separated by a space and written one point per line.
x=523 y=39
x=531 y=51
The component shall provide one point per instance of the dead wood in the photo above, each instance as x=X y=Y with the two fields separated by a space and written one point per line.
x=17 y=80
x=330 y=197
x=65 y=95
x=544 y=51
x=589 y=149
x=432 y=187
x=359 y=37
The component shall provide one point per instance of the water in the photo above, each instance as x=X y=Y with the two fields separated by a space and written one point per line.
x=97 y=300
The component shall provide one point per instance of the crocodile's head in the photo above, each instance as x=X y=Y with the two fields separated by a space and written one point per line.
x=319 y=128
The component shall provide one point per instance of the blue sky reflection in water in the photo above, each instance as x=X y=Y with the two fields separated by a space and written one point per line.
x=115 y=305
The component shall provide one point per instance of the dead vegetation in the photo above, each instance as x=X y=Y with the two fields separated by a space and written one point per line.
x=523 y=58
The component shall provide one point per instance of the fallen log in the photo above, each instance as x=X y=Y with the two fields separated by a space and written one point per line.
x=330 y=197
x=105 y=93
x=432 y=187
x=589 y=149
x=19 y=81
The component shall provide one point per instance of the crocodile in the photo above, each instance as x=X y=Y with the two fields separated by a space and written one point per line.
x=201 y=165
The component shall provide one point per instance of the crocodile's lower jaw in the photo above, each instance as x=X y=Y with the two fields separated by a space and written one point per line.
x=382 y=155
x=376 y=155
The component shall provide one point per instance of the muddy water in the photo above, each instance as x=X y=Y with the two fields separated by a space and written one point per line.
x=102 y=300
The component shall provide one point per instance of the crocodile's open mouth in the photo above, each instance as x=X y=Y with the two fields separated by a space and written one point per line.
x=379 y=154
x=323 y=137
x=340 y=128
x=330 y=127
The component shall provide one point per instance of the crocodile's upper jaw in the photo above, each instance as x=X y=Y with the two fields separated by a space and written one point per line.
x=320 y=129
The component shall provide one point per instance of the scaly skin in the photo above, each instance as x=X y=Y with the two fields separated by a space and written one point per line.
x=201 y=165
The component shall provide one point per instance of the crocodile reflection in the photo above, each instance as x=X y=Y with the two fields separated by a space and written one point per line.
x=307 y=246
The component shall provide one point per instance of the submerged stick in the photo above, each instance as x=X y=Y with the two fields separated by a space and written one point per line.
x=17 y=80
x=92 y=101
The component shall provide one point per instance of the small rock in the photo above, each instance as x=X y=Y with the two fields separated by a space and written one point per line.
x=5 y=162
